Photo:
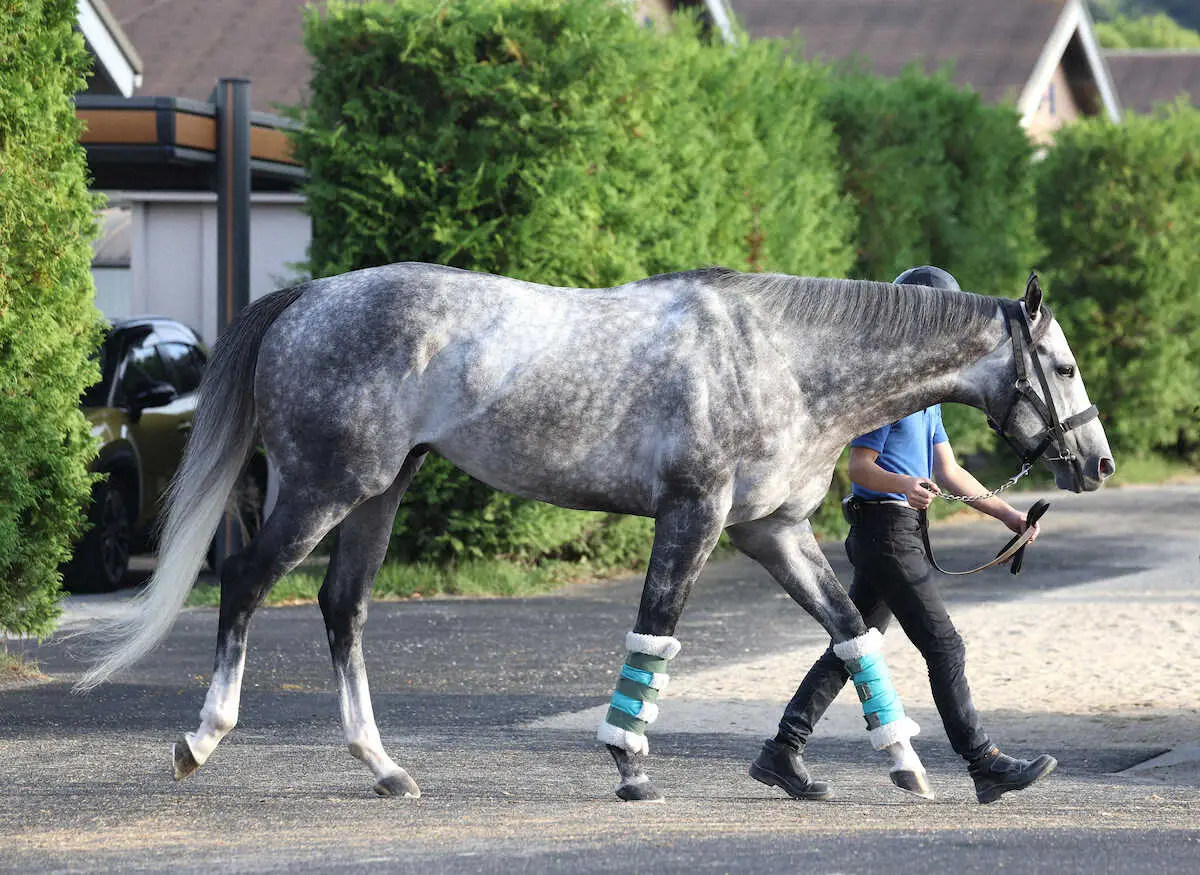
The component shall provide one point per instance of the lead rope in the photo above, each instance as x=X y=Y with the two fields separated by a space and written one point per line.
x=1014 y=549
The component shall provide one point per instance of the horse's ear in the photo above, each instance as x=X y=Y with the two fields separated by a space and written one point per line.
x=1033 y=295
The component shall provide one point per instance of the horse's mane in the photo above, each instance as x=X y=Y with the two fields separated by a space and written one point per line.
x=883 y=311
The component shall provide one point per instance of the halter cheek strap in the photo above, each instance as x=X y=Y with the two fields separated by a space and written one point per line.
x=1024 y=353
x=1054 y=434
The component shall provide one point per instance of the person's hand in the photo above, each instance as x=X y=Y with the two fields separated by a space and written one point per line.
x=920 y=492
x=1017 y=524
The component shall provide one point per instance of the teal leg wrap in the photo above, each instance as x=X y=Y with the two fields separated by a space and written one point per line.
x=887 y=725
x=880 y=702
x=634 y=701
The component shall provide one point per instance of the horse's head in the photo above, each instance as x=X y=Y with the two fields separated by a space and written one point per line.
x=1034 y=397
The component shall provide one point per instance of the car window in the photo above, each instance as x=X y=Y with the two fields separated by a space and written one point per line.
x=142 y=367
x=185 y=363
x=96 y=395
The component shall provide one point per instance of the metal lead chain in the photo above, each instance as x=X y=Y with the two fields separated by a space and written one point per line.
x=1026 y=467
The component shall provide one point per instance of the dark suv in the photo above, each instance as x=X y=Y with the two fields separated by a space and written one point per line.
x=141 y=411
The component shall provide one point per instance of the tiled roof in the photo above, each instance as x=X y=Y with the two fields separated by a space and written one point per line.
x=995 y=44
x=1145 y=77
x=186 y=45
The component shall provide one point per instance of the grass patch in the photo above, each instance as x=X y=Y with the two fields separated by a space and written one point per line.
x=1147 y=470
x=508 y=578
x=17 y=668
x=1144 y=470
x=399 y=580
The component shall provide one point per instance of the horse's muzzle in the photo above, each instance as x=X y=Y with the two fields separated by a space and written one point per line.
x=1095 y=471
x=1101 y=468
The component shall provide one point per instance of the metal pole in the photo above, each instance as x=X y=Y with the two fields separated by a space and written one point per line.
x=233 y=198
x=232 y=99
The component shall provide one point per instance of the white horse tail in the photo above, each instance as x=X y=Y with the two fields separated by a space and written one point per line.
x=223 y=434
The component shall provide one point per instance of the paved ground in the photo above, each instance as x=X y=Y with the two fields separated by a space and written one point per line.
x=480 y=699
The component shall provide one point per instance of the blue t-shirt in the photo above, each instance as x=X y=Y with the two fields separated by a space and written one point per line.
x=904 y=447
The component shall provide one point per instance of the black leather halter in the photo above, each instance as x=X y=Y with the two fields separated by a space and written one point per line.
x=1055 y=432
x=1053 y=435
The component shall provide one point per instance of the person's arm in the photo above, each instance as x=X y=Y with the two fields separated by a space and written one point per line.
x=952 y=477
x=866 y=473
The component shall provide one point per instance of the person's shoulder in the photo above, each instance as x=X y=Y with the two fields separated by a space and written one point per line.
x=937 y=427
x=913 y=420
x=873 y=440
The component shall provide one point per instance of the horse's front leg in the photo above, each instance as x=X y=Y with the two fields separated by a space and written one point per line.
x=789 y=551
x=685 y=532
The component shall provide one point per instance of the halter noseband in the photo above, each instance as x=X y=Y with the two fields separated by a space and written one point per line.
x=1056 y=430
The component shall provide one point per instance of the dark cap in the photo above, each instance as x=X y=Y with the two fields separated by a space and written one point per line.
x=927 y=275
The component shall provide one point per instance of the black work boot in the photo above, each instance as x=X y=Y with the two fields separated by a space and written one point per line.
x=996 y=773
x=782 y=766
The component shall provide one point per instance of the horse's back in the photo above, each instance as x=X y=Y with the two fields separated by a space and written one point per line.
x=581 y=397
x=405 y=315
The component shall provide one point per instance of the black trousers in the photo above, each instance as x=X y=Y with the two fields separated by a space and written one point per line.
x=892 y=576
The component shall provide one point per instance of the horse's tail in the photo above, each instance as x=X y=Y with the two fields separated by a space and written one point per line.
x=223 y=433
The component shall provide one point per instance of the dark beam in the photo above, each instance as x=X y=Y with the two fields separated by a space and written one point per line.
x=233 y=198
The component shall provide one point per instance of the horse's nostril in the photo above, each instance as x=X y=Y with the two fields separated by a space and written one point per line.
x=1106 y=468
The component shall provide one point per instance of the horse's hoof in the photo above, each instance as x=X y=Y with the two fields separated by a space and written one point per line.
x=185 y=763
x=399 y=784
x=641 y=792
x=912 y=782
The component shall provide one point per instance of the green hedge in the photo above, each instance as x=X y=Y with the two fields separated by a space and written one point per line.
x=1119 y=216
x=1158 y=31
x=937 y=177
x=48 y=323
x=560 y=143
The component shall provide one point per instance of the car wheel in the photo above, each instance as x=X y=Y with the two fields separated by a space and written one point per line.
x=102 y=555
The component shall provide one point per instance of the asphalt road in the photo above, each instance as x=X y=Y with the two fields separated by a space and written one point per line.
x=85 y=782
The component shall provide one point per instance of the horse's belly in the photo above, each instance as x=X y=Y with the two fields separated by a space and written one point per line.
x=609 y=432
x=596 y=478
x=614 y=477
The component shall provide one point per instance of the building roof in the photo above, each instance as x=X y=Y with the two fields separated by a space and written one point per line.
x=186 y=45
x=118 y=68
x=144 y=143
x=996 y=47
x=1146 y=77
x=1006 y=50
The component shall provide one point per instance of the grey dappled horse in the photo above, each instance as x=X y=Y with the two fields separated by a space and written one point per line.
x=709 y=400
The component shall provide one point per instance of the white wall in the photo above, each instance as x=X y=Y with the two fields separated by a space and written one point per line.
x=114 y=291
x=173 y=253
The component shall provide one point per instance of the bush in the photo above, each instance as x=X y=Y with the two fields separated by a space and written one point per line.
x=559 y=143
x=937 y=177
x=1158 y=31
x=1119 y=214
x=48 y=323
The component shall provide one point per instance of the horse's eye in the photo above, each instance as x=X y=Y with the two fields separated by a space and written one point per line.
x=1066 y=371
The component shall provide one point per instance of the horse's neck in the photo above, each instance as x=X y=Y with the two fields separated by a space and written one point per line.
x=856 y=386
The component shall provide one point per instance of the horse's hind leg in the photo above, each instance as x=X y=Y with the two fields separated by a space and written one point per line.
x=362 y=541
x=684 y=536
x=287 y=536
x=790 y=552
